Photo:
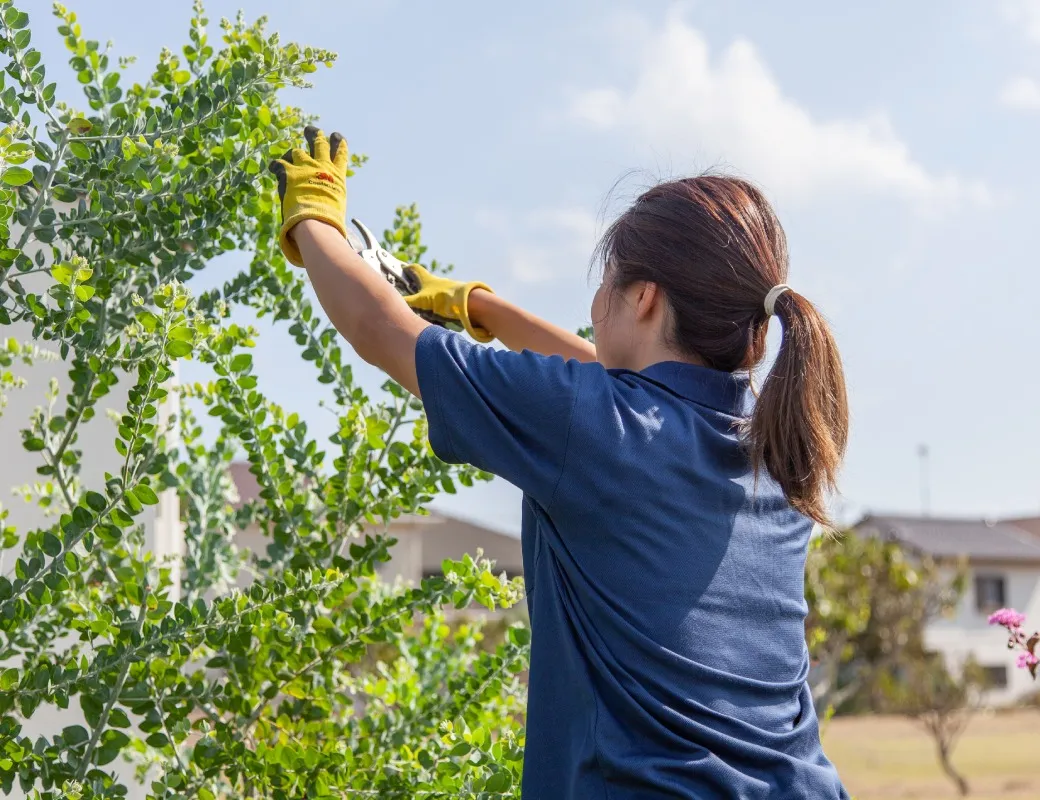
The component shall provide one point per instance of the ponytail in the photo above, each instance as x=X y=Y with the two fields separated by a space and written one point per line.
x=716 y=248
x=800 y=425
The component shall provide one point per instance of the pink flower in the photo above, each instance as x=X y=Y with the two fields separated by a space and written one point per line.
x=1026 y=660
x=1007 y=617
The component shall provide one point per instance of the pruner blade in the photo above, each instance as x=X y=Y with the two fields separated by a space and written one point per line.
x=393 y=269
x=383 y=262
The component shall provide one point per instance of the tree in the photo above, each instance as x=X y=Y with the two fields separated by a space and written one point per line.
x=941 y=702
x=255 y=693
x=869 y=602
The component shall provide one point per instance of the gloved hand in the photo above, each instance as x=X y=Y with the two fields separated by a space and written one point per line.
x=446 y=298
x=312 y=185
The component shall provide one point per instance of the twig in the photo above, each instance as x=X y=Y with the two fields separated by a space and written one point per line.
x=84 y=764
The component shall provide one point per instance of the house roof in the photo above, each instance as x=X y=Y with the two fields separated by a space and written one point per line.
x=1030 y=525
x=972 y=538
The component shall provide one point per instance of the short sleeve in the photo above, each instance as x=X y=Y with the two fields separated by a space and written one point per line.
x=506 y=413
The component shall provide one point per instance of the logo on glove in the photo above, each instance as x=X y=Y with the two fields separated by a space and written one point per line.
x=324 y=176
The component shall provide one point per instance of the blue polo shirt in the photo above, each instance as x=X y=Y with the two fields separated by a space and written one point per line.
x=668 y=655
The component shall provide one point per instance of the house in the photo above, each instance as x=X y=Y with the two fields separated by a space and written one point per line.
x=1003 y=562
x=423 y=541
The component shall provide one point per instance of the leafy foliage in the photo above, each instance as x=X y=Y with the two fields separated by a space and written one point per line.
x=106 y=214
x=869 y=602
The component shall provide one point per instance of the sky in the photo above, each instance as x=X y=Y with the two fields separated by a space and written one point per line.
x=896 y=140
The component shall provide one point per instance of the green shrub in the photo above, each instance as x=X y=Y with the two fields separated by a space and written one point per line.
x=112 y=209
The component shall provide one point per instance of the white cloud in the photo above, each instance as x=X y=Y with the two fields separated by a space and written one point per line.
x=541 y=243
x=730 y=109
x=1021 y=93
x=1024 y=14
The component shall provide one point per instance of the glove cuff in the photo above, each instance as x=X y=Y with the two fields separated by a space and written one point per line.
x=289 y=248
x=480 y=334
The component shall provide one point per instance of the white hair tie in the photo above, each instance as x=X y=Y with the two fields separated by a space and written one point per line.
x=774 y=293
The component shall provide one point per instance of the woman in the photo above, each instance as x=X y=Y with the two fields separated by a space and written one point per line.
x=665 y=517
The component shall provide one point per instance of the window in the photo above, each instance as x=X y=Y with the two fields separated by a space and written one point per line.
x=989 y=593
x=995 y=677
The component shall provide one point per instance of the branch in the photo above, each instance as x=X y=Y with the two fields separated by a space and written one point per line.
x=179 y=129
x=331 y=651
x=41 y=200
x=84 y=764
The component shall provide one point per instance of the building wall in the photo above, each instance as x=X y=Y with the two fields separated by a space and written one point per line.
x=163 y=533
x=423 y=542
x=967 y=631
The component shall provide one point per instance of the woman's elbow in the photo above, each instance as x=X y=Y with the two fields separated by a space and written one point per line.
x=381 y=340
x=365 y=341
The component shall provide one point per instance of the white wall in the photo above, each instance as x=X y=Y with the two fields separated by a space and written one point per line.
x=967 y=632
x=163 y=534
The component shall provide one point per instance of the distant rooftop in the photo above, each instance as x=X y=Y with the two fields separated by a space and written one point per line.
x=1004 y=540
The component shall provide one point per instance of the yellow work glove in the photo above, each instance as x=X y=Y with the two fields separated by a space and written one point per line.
x=446 y=298
x=312 y=184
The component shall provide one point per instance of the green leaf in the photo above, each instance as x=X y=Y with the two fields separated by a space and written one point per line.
x=51 y=544
x=461 y=749
x=181 y=76
x=117 y=718
x=178 y=349
x=84 y=293
x=520 y=636
x=114 y=740
x=75 y=734
x=16 y=19
x=148 y=321
x=9 y=678
x=62 y=274
x=80 y=126
x=241 y=362
x=17 y=176
x=146 y=495
x=499 y=782
x=79 y=150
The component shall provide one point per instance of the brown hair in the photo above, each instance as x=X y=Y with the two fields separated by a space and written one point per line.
x=715 y=247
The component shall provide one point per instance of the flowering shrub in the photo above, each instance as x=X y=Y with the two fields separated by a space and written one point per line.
x=1012 y=621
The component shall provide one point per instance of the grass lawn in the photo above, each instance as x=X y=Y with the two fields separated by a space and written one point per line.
x=889 y=757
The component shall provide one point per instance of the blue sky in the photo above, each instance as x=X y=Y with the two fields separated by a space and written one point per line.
x=897 y=141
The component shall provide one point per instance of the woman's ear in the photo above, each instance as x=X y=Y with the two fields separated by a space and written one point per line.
x=648 y=300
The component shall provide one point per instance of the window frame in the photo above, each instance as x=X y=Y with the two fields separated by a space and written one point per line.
x=992 y=578
x=989 y=670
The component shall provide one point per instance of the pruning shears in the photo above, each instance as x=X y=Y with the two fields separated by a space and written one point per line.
x=393 y=269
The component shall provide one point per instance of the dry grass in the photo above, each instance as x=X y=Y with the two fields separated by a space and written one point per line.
x=891 y=758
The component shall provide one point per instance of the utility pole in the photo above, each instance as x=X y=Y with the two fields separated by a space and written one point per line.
x=922 y=454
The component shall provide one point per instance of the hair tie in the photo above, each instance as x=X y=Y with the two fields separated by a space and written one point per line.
x=771 y=297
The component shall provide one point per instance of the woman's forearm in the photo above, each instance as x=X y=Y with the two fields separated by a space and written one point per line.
x=520 y=330
x=362 y=306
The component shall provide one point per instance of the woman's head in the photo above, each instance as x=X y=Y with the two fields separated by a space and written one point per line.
x=686 y=272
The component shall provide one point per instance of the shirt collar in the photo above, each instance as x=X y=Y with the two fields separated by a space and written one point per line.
x=723 y=391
